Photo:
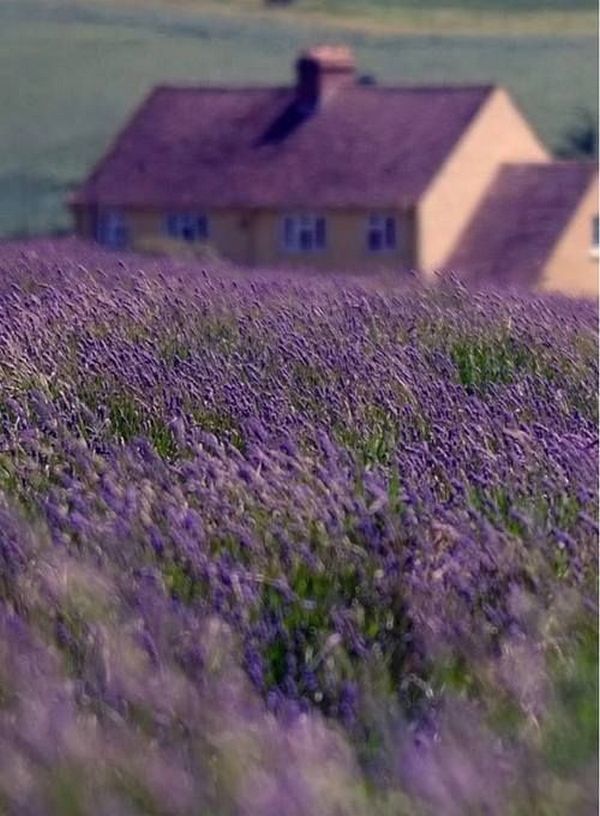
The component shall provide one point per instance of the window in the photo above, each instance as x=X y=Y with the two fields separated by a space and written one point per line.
x=187 y=226
x=111 y=229
x=304 y=233
x=381 y=233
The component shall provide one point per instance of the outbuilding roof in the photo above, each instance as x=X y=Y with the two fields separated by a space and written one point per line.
x=520 y=221
x=260 y=148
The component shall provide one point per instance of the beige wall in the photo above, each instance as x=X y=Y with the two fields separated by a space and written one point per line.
x=226 y=229
x=254 y=238
x=346 y=248
x=499 y=134
x=573 y=267
x=147 y=231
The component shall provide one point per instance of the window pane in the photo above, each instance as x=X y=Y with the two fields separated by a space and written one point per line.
x=187 y=226
x=304 y=232
x=374 y=239
x=390 y=233
x=306 y=239
x=320 y=233
x=111 y=229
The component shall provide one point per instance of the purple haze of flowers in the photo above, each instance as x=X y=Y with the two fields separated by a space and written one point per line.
x=282 y=545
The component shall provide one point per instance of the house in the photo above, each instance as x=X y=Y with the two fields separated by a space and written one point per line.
x=330 y=173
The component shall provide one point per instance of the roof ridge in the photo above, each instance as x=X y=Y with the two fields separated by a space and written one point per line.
x=438 y=86
x=219 y=88
x=362 y=88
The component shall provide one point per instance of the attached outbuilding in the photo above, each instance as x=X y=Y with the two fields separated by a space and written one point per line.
x=537 y=227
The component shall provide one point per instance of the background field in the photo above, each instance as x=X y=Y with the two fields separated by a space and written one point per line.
x=70 y=72
x=430 y=16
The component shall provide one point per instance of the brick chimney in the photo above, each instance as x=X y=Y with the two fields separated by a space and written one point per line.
x=321 y=71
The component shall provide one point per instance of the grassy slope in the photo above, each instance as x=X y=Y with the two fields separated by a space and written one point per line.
x=69 y=74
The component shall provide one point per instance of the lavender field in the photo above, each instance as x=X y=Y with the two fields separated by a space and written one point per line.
x=287 y=547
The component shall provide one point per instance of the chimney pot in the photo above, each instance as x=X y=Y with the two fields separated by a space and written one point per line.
x=321 y=71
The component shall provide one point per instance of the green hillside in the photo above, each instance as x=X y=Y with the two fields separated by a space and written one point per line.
x=388 y=16
x=485 y=5
x=70 y=72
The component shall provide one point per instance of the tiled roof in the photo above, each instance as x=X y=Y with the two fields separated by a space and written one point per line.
x=519 y=222
x=258 y=148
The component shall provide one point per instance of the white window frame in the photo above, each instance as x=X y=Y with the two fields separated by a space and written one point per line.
x=303 y=233
x=190 y=227
x=111 y=229
x=385 y=226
